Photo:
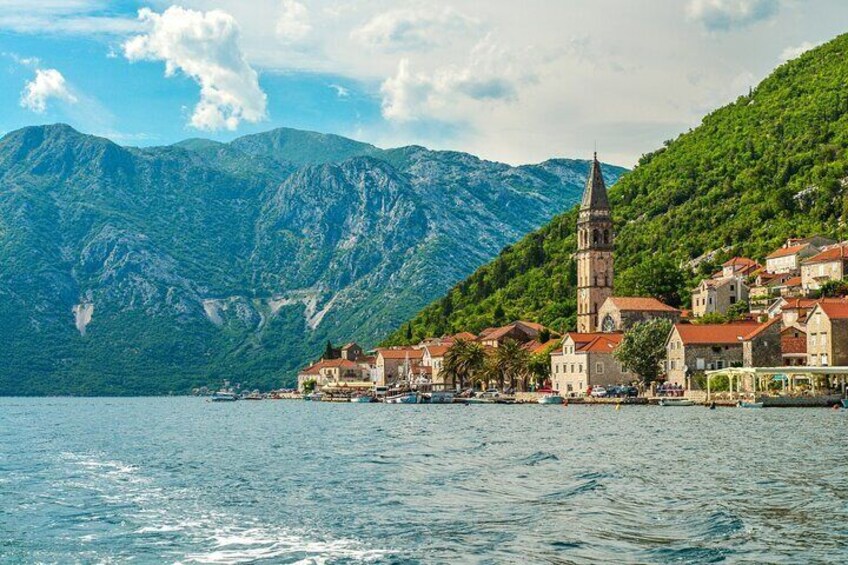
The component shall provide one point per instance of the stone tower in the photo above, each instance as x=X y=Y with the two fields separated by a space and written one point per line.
x=594 y=251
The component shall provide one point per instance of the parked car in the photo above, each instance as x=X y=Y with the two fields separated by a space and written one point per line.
x=599 y=392
x=491 y=393
x=622 y=391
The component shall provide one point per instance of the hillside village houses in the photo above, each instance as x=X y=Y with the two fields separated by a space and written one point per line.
x=791 y=326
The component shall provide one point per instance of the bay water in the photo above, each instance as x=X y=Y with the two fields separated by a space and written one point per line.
x=183 y=480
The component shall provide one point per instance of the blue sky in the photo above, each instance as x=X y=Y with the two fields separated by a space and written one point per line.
x=517 y=85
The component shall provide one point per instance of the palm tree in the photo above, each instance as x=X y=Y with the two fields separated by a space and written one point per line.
x=511 y=363
x=463 y=361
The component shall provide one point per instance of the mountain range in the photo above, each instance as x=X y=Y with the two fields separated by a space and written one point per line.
x=769 y=166
x=154 y=270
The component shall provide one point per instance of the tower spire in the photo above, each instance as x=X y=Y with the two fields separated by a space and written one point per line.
x=595 y=193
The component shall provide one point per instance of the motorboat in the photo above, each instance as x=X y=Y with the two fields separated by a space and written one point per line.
x=676 y=402
x=440 y=397
x=223 y=396
x=744 y=404
x=845 y=402
x=551 y=398
x=410 y=397
x=363 y=399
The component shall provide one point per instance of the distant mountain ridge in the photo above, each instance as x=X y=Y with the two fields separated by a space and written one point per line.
x=769 y=166
x=154 y=270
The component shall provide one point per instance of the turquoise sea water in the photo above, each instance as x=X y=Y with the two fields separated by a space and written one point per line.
x=182 y=480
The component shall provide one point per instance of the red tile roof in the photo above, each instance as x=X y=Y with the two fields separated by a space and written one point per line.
x=579 y=338
x=467 y=336
x=605 y=343
x=400 y=353
x=438 y=350
x=706 y=334
x=787 y=251
x=835 y=310
x=762 y=327
x=341 y=363
x=740 y=261
x=638 y=303
x=833 y=253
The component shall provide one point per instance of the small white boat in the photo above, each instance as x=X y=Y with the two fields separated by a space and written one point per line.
x=744 y=404
x=441 y=397
x=550 y=399
x=224 y=396
x=402 y=398
x=364 y=399
x=676 y=402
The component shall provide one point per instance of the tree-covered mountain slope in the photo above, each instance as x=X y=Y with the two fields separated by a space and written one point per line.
x=769 y=166
x=146 y=271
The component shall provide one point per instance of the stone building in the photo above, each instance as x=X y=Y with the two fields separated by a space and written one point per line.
x=762 y=346
x=586 y=360
x=788 y=258
x=827 y=335
x=695 y=348
x=434 y=357
x=351 y=351
x=620 y=313
x=716 y=296
x=594 y=250
x=829 y=265
x=521 y=331
x=395 y=363
x=793 y=345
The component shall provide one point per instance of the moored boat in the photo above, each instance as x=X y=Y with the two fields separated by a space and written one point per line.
x=845 y=402
x=550 y=399
x=676 y=402
x=744 y=404
x=364 y=399
x=440 y=397
x=223 y=396
x=402 y=398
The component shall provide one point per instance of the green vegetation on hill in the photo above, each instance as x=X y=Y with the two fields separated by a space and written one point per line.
x=769 y=166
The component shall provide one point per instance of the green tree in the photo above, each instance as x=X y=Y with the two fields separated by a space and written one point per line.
x=643 y=349
x=463 y=360
x=832 y=289
x=509 y=365
x=309 y=385
x=409 y=332
x=329 y=351
x=540 y=366
x=658 y=277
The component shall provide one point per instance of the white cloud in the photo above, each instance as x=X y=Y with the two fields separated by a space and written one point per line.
x=793 y=52
x=47 y=84
x=724 y=15
x=71 y=17
x=407 y=30
x=293 y=24
x=445 y=92
x=205 y=46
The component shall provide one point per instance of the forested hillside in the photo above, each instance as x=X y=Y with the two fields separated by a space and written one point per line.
x=770 y=165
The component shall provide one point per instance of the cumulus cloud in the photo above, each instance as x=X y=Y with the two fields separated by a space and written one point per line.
x=407 y=30
x=793 y=52
x=205 y=46
x=724 y=15
x=47 y=84
x=488 y=77
x=293 y=24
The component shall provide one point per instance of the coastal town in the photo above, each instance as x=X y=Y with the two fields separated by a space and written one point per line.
x=773 y=329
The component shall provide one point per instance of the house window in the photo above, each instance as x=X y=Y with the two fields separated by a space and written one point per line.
x=572 y=367
x=672 y=365
x=699 y=364
x=720 y=364
x=599 y=368
x=824 y=361
x=733 y=299
x=580 y=368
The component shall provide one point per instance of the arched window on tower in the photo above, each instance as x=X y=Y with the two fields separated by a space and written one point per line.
x=606 y=237
x=595 y=236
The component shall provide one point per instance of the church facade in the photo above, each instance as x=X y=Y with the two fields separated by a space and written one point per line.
x=595 y=240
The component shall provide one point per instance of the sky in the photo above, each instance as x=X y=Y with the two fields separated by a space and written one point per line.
x=518 y=82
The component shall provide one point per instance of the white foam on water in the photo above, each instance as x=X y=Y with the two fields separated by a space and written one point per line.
x=158 y=529
x=248 y=545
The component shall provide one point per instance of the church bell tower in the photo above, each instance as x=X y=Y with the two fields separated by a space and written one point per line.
x=594 y=251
